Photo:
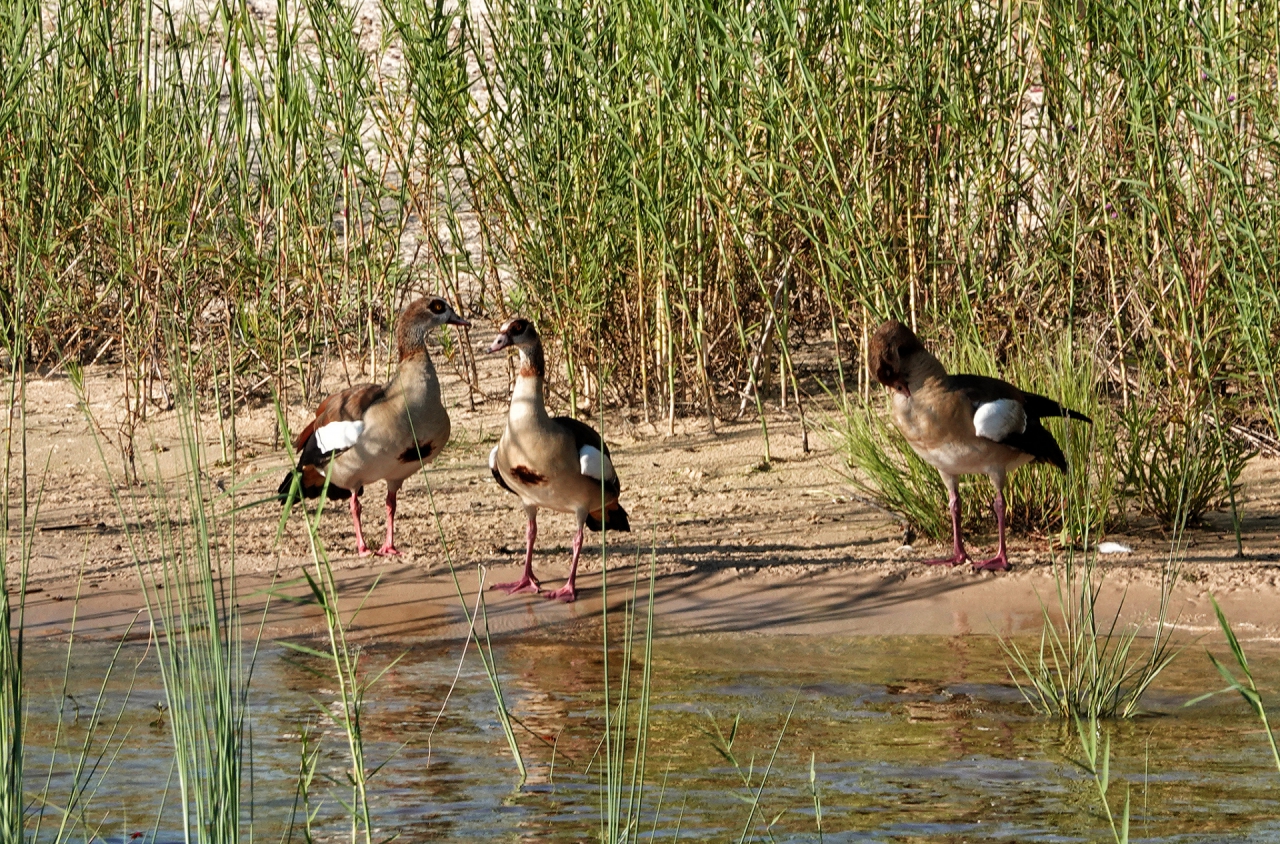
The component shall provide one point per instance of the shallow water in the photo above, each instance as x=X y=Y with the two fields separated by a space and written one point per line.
x=911 y=739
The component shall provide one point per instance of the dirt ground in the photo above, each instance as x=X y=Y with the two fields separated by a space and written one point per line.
x=737 y=547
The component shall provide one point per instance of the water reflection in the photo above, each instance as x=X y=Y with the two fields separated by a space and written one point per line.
x=911 y=739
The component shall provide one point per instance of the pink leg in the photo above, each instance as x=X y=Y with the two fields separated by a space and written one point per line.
x=1000 y=562
x=388 y=548
x=958 y=546
x=567 y=593
x=361 y=548
x=527 y=582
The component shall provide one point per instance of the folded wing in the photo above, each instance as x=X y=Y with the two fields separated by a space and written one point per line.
x=594 y=462
x=1004 y=414
x=338 y=425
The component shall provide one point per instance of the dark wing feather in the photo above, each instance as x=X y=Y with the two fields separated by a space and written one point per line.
x=980 y=389
x=1041 y=407
x=584 y=434
x=347 y=406
x=615 y=518
x=497 y=476
x=1036 y=440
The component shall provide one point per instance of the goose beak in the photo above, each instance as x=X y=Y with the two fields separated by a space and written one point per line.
x=458 y=321
x=500 y=342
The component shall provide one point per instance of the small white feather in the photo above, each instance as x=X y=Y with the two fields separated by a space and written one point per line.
x=997 y=419
x=1113 y=548
x=338 y=435
x=594 y=463
x=493 y=459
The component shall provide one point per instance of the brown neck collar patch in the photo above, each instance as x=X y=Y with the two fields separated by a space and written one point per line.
x=532 y=363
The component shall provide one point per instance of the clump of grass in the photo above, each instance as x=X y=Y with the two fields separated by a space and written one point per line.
x=888 y=472
x=1091 y=665
x=1176 y=469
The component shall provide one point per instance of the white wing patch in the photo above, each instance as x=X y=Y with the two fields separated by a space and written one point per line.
x=337 y=436
x=493 y=459
x=594 y=463
x=997 y=419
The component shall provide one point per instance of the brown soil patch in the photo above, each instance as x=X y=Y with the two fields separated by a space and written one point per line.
x=738 y=547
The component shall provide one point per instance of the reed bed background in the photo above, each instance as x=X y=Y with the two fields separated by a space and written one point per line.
x=704 y=205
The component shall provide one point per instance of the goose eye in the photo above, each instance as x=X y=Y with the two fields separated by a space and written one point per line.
x=437 y=307
x=902 y=350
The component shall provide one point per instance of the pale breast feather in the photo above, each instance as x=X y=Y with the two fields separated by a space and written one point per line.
x=338 y=436
x=997 y=419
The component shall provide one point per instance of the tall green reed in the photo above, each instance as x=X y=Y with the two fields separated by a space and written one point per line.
x=343 y=659
x=265 y=207
x=86 y=767
x=1097 y=763
x=13 y=586
x=344 y=670
x=1248 y=688
x=478 y=624
x=703 y=180
x=489 y=662
x=626 y=714
x=657 y=164
x=185 y=556
x=185 y=561
x=754 y=789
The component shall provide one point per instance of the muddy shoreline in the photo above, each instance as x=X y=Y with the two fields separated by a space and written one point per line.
x=737 y=548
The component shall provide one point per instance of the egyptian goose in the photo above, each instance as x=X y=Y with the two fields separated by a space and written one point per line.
x=963 y=424
x=368 y=433
x=553 y=462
